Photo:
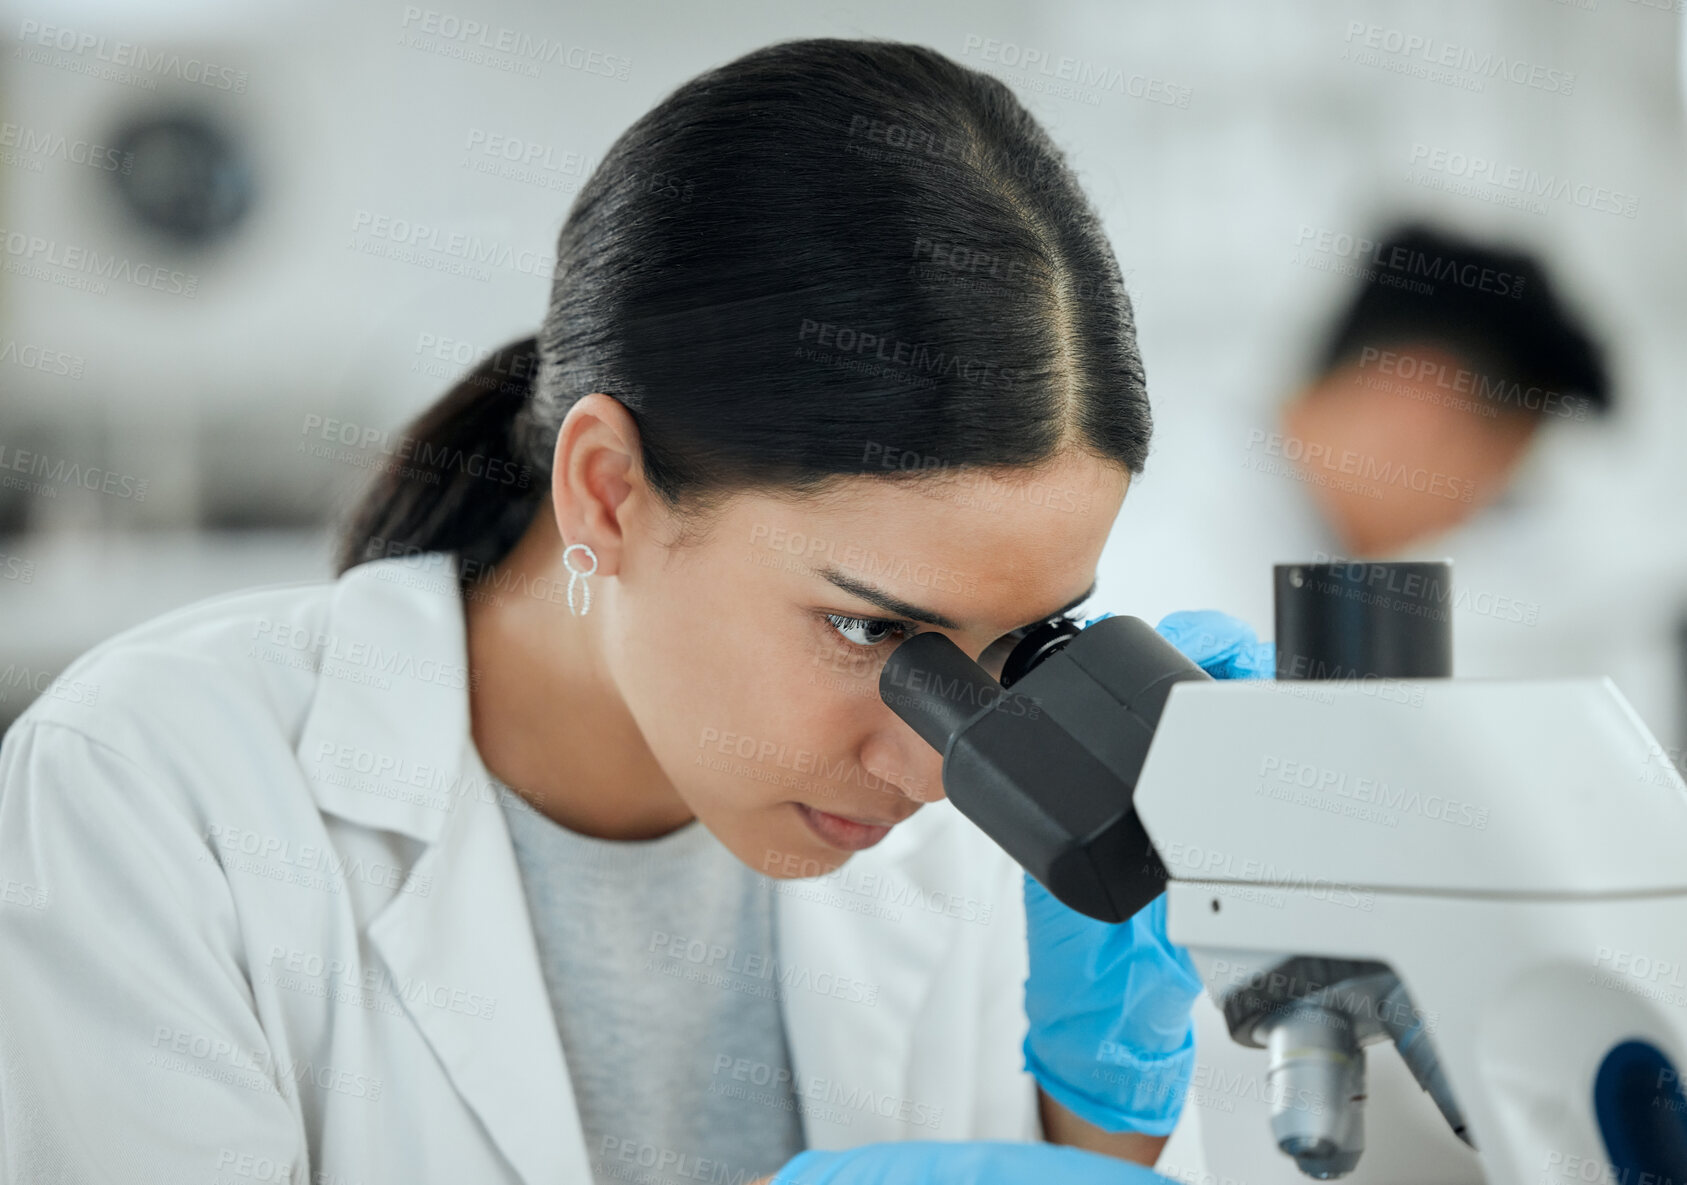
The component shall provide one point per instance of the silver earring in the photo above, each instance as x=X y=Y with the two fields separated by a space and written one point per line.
x=580 y=575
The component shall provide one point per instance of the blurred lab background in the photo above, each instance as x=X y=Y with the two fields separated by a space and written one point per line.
x=233 y=267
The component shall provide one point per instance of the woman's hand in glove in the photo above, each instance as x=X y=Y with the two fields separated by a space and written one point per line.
x=977 y=1162
x=1111 y=1038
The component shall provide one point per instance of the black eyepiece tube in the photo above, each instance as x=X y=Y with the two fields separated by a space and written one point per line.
x=1357 y=620
x=1048 y=768
x=935 y=687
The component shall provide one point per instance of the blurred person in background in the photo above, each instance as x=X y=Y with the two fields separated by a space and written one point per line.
x=1432 y=388
x=1455 y=410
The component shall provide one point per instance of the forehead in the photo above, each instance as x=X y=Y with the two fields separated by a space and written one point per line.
x=984 y=547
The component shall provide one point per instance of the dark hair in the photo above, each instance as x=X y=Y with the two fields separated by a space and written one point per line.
x=825 y=258
x=1491 y=304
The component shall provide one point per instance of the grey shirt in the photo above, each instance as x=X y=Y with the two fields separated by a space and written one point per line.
x=658 y=957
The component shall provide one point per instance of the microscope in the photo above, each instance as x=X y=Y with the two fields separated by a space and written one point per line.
x=1489 y=874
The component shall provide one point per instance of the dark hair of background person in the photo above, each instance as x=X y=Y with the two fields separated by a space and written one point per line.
x=825 y=258
x=1492 y=305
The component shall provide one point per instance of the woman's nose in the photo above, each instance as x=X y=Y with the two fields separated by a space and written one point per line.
x=906 y=765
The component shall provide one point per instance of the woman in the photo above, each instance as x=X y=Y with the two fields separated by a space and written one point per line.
x=836 y=352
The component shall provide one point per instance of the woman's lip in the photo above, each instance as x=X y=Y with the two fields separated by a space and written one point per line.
x=849 y=834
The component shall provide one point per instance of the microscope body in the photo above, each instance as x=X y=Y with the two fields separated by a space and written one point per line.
x=1492 y=874
x=1495 y=870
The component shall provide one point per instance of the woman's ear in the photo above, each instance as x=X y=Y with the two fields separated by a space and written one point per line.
x=597 y=477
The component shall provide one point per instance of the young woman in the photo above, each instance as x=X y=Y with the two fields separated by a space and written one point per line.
x=836 y=352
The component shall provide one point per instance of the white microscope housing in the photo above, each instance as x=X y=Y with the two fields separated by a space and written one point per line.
x=1491 y=873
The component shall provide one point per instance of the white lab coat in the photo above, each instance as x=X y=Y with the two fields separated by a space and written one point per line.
x=258 y=908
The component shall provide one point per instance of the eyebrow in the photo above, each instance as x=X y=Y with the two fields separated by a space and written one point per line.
x=898 y=606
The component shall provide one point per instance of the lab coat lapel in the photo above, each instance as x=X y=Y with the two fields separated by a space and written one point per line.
x=466 y=964
x=853 y=1061
x=390 y=718
x=462 y=956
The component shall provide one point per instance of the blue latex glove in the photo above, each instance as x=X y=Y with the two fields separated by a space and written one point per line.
x=1222 y=646
x=979 y=1162
x=1111 y=1037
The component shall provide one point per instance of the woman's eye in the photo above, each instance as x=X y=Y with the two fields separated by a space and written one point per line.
x=867 y=631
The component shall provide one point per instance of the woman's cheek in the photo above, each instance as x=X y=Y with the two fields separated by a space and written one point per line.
x=833 y=673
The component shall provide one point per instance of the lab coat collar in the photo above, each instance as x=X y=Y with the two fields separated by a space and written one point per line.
x=383 y=742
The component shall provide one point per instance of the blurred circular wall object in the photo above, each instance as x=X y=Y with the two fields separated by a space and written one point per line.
x=188 y=180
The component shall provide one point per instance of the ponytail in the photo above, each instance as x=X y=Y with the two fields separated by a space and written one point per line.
x=458 y=484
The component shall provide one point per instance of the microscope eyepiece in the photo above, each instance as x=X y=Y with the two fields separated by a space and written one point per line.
x=1351 y=619
x=1048 y=769
x=1038 y=643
